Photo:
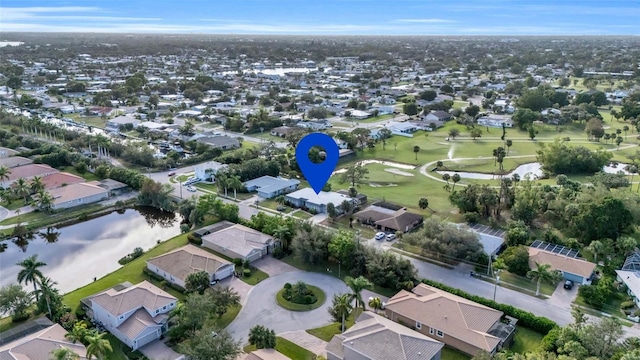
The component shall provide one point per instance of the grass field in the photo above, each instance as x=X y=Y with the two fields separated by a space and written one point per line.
x=453 y=354
x=526 y=340
x=40 y=219
x=328 y=331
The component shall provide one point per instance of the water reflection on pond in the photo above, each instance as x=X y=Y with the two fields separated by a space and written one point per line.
x=77 y=253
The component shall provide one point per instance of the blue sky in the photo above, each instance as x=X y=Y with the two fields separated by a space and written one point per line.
x=326 y=17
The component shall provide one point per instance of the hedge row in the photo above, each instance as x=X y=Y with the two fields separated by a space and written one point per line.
x=525 y=318
x=153 y=275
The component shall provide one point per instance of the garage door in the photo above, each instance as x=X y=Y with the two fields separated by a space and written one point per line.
x=147 y=339
x=575 y=278
x=255 y=256
x=224 y=273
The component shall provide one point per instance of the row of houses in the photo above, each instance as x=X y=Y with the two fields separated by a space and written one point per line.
x=67 y=190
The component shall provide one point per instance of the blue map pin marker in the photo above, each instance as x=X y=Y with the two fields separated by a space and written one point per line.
x=317 y=174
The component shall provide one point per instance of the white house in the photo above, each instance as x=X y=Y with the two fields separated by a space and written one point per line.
x=307 y=198
x=495 y=122
x=208 y=171
x=269 y=186
x=176 y=265
x=136 y=315
x=238 y=241
x=630 y=276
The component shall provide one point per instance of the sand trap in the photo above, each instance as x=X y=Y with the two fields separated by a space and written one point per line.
x=381 y=185
x=398 y=172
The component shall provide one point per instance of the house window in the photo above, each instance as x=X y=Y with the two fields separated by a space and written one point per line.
x=431 y=331
x=418 y=325
x=164 y=307
x=157 y=311
x=440 y=333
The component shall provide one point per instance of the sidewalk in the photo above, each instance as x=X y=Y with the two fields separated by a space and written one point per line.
x=307 y=341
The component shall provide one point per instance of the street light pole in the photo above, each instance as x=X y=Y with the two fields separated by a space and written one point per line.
x=495 y=288
x=180 y=189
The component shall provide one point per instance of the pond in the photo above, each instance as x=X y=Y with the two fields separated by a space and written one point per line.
x=533 y=170
x=78 y=253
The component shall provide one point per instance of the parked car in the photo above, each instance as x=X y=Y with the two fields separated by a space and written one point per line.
x=191 y=188
x=568 y=284
x=172 y=173
x=380 y=236
x=391 y=237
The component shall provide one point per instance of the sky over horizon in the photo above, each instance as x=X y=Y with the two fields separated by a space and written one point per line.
x=325 y=17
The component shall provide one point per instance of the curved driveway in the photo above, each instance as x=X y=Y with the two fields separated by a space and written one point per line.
x=261 y=307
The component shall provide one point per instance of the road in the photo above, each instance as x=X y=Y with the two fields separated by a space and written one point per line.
x=261 y=307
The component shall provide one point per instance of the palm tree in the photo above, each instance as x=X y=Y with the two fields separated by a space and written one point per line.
x=223 y=183
x=47 y=289
x=51 y=235
x=98 y=346
x=64 y=353
x=416 y=150
x=508 y=144
x=36 y=184
x=22 y=189
x=45 y=201
x=446 y=177
x=4 y=173
x=78 y=333
x=542 y=273
x=342 y=306
x=375 y=303
x=455 y=178
x=357 y=285
x=282 y=233
x=234 y=183
x=596 y=247
x=30 y=272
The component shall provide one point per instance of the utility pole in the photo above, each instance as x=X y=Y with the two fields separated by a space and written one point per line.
x=180 y=189
x=495 y=288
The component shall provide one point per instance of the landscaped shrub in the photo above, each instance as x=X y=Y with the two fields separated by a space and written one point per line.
x=627 y=304
x=159 y=278
x=278 y=253
x=536 y=323
x=137 y=252
x=471 y=217
x=246 y=272
x=67 y=320
x=308 y=299
x=80 y=313
x=237 y=262
x=194 y=239
x=245 y=264
x=287 y=286
x=299 y=294
x=550 y=340
x=16 y=318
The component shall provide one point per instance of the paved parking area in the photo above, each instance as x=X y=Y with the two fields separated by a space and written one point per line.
x=157 y=350
x=242 y=288
x=562 y=297
x=273 y=266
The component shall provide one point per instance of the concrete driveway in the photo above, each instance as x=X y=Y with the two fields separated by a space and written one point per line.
x=261 y=307
x=157 y=350
x=562 y=297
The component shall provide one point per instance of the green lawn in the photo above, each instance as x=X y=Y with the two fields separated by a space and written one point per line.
x=95 y=121
x=228 y=317
x=328 y=331
x=37 y=219
x=273 y=205
x=321 y=297
x=373 y=119
x=526 y=340
x=287 y=348
x=301 y=214
x=453 y=354
x=12 y=204
x=120 y=350
x=131 y=272
x=257 y=275
x=523 y=282
x=6 y=323
x=611 y=304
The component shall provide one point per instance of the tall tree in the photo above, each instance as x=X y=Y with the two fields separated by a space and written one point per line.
x=543 y=273
x=14 y=300
x=341 y=308
x=4 y=173
x=64 y=353
x=30 y=272
x=211 y=344
x=455 y=178
x=235 y=184
x=596 y=247
x=375 y=303
x=197 y=282
x=98 y=346
x=508 y=144
x=357 y=285
x=262 y=337
x=22 y=189
x=416 y=150
x=355 y=175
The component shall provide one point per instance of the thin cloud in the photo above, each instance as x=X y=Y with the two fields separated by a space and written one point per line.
x=426 y=21
x=61 y=13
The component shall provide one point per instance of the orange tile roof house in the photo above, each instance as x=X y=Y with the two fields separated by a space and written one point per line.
x=14 y=161
x=77 y=194
x=374 y=337
x=137 y=315
x=176 y=265
x=575 y=269
x=27 y=172
x=39 y=345
x=460 y=323
x=60 y=179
